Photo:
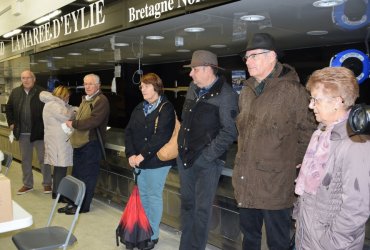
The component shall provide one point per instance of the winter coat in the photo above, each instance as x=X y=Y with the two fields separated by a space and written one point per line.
x=92 y=114
x=334 y=218
x=141 y=139
x=274 y=130
x=14 y=109
x=58 y=150
x=208 y=123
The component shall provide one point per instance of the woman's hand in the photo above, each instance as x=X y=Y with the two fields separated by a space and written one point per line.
x=139 y=159
x=132 y=161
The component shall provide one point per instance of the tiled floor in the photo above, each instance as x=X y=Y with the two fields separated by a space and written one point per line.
x=94 y=230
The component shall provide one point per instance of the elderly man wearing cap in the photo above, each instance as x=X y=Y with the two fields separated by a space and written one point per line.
x=207 y=130
x=274 y=128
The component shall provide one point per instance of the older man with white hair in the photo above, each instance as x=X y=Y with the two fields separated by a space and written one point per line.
x=91 y=119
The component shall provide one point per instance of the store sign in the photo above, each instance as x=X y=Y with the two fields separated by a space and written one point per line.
x=157 y=9
x=67 y=24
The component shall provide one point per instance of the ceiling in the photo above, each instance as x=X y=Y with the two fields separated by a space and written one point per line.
x=287 y=20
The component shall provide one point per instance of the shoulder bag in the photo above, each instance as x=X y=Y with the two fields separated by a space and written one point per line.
x=169 y=151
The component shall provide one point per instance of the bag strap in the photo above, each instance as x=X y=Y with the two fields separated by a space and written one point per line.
x=156 y=119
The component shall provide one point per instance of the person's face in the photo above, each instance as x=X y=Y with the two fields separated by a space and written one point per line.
x=91 y=87
x=28 y=80
x=259 y=63
x=148 y=92
x=324 y=106
x=200 y=76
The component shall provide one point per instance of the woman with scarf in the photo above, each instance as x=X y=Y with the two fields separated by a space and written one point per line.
x=143 y=138
x=333 y=182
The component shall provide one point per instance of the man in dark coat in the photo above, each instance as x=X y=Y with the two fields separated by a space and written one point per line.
x=24 y=116
x=207 y=130
x=275 y=126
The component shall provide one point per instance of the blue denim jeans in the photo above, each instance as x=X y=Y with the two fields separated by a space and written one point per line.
x=277 y=224
x=151 y=183
x=198 y=185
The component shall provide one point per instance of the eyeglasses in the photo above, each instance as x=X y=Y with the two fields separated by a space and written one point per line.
x=253 y=56
x=314 y=100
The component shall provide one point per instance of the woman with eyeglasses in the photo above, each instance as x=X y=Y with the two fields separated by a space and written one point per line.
x=333 y=182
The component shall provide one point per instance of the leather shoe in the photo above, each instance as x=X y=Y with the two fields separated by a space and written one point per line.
x=64 y=209
x=150 y=244
x=73 y=210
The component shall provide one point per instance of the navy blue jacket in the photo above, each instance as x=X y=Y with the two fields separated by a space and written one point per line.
x=208 y=123
x=141 y=139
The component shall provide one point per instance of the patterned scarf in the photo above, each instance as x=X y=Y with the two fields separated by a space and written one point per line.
x=314 y=163
x=149 y=107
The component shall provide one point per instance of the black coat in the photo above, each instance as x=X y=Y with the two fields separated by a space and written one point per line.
x=14 y=108
x=208 y=123
x=140 y=137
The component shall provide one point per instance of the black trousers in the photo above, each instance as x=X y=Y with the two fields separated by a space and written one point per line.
x=86 y=166
x=277 y=224
x=58 y=174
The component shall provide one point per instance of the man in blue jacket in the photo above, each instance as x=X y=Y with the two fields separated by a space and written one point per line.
x=24 y=116
x=207 y=130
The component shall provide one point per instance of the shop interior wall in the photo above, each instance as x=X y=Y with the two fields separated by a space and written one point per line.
x=128 y=95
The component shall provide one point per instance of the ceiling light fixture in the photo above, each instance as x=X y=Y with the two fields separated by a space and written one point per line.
x=97 y=49
x=121 y=44
x=155 y=54
x=183 y=50
x=58 y=57
x=48 y=17
x=74 y=54
x=317 y=32
x=12 y=33
x=43 y=60
x=218 y=46
x=252 y=18
x=154 y=37
x=327 y=3
x=194 y=29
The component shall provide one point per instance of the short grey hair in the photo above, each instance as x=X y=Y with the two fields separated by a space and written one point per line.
x=96 y=78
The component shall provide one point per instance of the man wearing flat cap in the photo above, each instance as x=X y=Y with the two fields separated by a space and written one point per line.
x=275 y=126
x=207 y=130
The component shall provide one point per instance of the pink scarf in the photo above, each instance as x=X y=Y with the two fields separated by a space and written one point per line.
x=313 y=167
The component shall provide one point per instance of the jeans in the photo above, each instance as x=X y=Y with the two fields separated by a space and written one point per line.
x=151 y=183
x=26 y=148
x=86 y=166
x=277 y=223
x=198 y=185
